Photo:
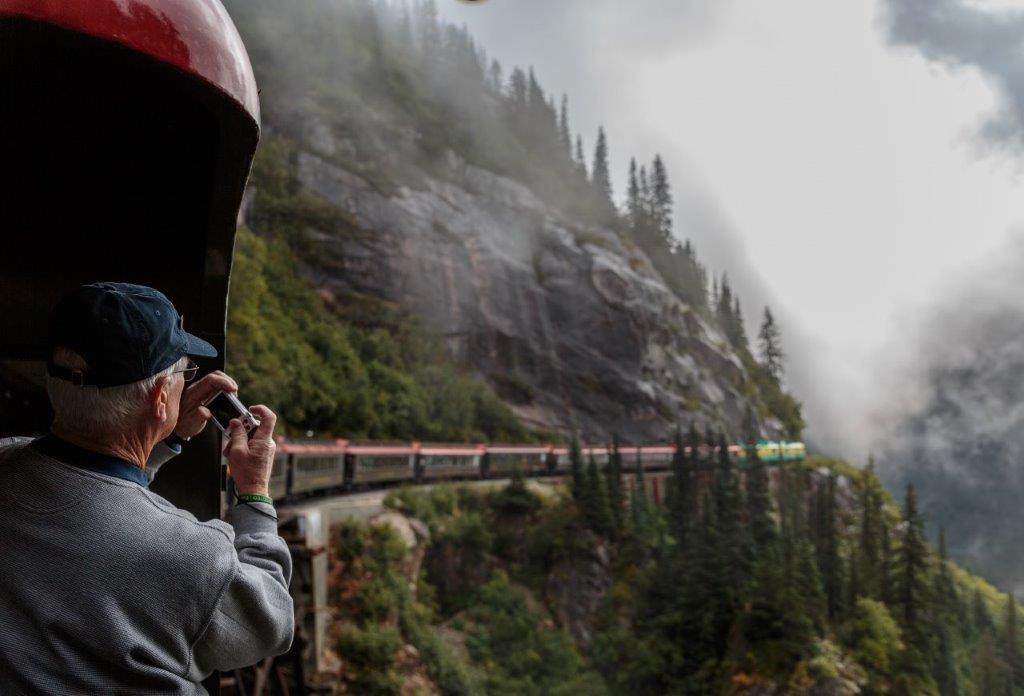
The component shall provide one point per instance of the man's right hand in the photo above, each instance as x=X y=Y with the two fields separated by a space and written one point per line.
x=250 y=460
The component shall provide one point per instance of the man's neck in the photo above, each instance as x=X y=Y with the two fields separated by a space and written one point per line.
x=128 y=449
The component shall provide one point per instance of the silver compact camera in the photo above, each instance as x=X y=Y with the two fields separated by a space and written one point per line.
x=224 y=406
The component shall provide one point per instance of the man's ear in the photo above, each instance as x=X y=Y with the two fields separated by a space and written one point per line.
x=159 y=397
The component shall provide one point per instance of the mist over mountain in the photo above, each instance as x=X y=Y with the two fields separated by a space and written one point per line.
x=418 y=181
x=953 y=413
x=954 y=424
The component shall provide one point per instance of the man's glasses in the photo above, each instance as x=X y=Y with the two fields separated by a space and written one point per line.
x=189 y=372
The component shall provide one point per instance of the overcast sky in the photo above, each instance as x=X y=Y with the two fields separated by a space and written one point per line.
x=836 y=158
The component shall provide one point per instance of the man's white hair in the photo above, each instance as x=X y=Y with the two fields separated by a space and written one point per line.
x=99 y=413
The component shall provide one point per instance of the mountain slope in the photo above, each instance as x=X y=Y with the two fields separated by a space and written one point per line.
x=393 y=164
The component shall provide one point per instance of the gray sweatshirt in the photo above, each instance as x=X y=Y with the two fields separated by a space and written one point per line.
x=107 y=588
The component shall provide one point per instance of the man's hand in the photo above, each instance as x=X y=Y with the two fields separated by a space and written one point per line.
x=251 y=459
x=192 y=415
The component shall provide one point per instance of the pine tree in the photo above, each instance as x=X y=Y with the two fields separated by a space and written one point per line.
x=980 y=617
x=633 y=212
x=759 y=502
x=616 y=496
x=641 y=513
x=808 y=596
x=885 y=566
x=680 y=501
x=723 y=308
x=946 y=597
x=576 y=466
x=1011 y=643
x=709 y=599
x=739 y=332
x=596 y=508
x=517 y=91
x=991 y=670
x=563 y=126
x=600 y=176
x=495 y=77
x=428 y=28
x=771 y=350
x=870 y=520
x=945 y=666
x=661 y=201
x=581 y=161
x=913 y=559
x=734 y=548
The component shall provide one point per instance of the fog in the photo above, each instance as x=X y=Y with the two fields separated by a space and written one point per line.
x=858 y=167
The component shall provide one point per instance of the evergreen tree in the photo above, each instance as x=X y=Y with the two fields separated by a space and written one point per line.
x=616 y=496
x=681 y=486
x=707 y=603
x=1011 y=643
x=913 y=560
x=945 y=665
x=870 y=533
x=563 y=126
x=980 y=617
x=517 y=91
x=496 y=78
x=771 y=350
x=428 y=28
x=946 y=597
x=600 y=176
x=807 y=602
x=596 y=508
x=739 y=332
x=576 y=467
x=854 y=589
x=759 y=502
x=581 y=161
x=990 y=668
x=661 y=201
x=827 y=535
x=641 y=513
x=734 y=547
x=885 y=566
x=634 y=215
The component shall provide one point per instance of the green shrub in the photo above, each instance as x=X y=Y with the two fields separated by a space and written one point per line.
x=324 y=373
x=369 y=655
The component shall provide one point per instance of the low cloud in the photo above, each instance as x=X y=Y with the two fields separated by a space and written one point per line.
x=966 y=36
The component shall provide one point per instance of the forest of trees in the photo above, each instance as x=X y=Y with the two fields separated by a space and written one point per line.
x=751 y=571
x=794 y=578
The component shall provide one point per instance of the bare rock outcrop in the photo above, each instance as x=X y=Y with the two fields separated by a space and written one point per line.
x=567 y=322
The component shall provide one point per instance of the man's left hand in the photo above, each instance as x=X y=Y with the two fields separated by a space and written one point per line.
x=192 y=415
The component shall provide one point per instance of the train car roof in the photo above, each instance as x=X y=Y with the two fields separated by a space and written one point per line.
x=380 y=449
x=517 y=449
x=441 y=450
x=311 y=448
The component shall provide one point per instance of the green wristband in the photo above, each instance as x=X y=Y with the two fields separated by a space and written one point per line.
x=255 y=498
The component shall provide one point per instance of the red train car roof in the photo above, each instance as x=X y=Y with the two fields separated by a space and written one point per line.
x=381 y=450
x=517 y=449
x=195 y=36
x=446 y=450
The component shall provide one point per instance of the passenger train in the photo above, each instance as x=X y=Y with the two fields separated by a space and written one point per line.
x=307 y=467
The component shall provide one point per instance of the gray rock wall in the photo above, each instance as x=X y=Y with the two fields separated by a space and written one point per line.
x=570 y=325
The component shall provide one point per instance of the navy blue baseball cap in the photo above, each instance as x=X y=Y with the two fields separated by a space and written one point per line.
x=124 y=332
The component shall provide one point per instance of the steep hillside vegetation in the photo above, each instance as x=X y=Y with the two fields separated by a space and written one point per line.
x=794 y=580
x=405 y=172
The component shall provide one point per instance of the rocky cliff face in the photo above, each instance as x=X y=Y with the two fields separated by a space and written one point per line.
x=572 y=326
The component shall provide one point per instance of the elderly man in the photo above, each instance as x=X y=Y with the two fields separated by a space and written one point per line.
x=105 y=587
